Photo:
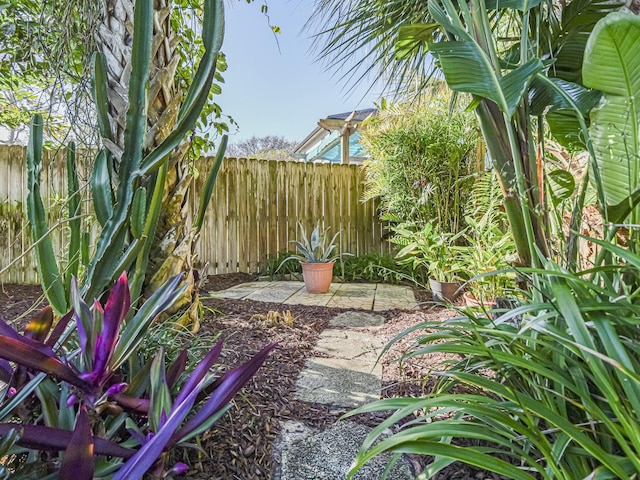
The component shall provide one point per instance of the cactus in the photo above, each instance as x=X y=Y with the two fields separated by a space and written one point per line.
x=127 y=185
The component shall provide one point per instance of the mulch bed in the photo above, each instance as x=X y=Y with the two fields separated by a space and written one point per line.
x=241 y=444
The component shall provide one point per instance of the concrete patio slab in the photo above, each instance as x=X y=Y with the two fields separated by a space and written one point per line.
x=365 y=296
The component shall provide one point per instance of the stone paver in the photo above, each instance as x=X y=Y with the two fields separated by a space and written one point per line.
x=339 y=382
x=243 y=290
x=365 y=296
x=302 y=297
x=356 y=320
x=328 y=455
x=277 y=292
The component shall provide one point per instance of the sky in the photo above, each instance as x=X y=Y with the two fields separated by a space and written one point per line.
x=286 y=92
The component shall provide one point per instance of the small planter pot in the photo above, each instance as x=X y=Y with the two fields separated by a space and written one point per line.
x=317 y=276
x=444 y=291
x=471 y=301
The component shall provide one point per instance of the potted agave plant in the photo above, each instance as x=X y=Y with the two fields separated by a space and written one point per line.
x=315 y=254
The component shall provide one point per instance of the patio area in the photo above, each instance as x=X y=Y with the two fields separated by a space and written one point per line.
x=367 y=296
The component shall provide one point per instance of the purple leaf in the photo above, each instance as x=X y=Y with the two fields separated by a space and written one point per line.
x=5 y=371
x=176 y=368
x=116 y=388
x=228 y=385
x=179 y=469
x=199 y=372
x=78 y=462
x=115 y=311
x=137 y=436
x=24 y=354
x=39 y=437
x=139 y=405
x=58 y=330
x=144 y=458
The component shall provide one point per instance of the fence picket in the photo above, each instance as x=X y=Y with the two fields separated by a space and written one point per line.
x=253 y=213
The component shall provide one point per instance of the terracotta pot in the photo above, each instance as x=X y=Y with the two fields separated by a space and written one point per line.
x=444 y=291
x=471 y=301
x=317 y=276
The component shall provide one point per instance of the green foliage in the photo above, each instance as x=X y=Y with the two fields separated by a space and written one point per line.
x=373 y=268
x=561 y=400
x=423 y=157
x=127 y=212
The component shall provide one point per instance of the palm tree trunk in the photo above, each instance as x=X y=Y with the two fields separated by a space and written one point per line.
x=172 y=249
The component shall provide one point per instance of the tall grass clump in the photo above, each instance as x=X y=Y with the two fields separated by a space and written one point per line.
x=552 y=386
x=423 y=157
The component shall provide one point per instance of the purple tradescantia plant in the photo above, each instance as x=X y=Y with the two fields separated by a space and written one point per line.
x=92 y=373
x=104 y=340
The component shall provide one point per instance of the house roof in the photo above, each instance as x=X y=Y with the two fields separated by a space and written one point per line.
x=324 y=141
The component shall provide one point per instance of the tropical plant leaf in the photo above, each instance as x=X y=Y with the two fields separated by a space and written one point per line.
x=612 y=65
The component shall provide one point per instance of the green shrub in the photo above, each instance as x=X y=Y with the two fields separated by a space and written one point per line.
x=422 y=161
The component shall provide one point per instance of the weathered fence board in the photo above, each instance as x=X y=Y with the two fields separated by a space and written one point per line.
x=253 y=215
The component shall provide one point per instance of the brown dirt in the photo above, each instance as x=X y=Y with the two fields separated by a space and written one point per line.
x=240 y=446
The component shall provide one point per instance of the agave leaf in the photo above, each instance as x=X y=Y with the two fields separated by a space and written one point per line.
x=78 y=462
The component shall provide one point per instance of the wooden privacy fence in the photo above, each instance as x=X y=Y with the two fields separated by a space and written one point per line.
x=253 y=215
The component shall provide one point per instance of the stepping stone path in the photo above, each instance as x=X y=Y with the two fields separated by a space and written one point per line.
x=366 y=296
x=343 y=374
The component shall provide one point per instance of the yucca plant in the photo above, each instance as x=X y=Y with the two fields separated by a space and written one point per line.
x=65 y=376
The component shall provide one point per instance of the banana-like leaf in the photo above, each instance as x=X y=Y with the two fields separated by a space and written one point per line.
x=101 y=192
x=612 y=65
x=75 y=223
x=522 y=5
x=205 y=194
x=562 y=185
x=458 y=58
x=50 y=277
